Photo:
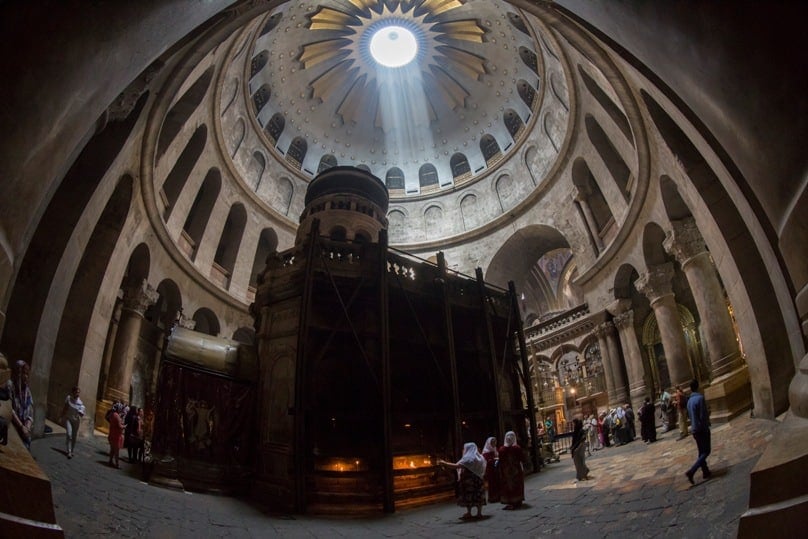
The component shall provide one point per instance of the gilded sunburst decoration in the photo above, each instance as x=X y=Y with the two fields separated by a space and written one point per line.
x=438 y=75
x=452 y=87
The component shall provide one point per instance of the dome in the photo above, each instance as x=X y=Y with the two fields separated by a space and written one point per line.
x=454 y=111
x=449 y=114
x=348 y=180
x=482 y=98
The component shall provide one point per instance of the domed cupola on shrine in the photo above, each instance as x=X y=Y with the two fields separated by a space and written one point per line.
x=350 y=204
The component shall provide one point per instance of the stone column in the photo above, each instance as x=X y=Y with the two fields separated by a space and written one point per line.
x=618 y=378
x=656 y=285
x=686 y=244
x=124 y=352
x=600 y=332
x=624 y=322
x=583 y=201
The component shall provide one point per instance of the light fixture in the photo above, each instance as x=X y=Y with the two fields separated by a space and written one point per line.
x=393 y=46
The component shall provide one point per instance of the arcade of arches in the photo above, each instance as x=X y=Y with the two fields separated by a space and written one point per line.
x=649 y=203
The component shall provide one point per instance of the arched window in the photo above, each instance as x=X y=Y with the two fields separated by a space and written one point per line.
x=596 y=212
x=297 y=152
x=611 y=157
x=258 y=62
x=513 y=123
x=611 y=108
x=461 y=169
x=267 y=242
x=529 y=58
x=363 y=167
x=271 y=23
x=490 y=149
x=526 y=92
x=427 y=176
x=261 y=97
x=327 y=161
x=206 y=322
x=198 y=217
x=176 y=179
x=518 y=23
x=229 y=243
x=394 y=179
x=179 y=114
x=274 y=127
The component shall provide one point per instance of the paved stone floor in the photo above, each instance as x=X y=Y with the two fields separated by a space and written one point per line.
x=638 y=490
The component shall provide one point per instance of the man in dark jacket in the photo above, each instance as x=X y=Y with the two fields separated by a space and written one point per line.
x=700 y=428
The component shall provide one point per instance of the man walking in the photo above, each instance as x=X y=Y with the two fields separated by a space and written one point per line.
x=700 y=428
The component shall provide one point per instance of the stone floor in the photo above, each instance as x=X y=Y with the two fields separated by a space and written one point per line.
x=637 y=490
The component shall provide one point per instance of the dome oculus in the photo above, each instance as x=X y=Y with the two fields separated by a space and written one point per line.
x=393 y=46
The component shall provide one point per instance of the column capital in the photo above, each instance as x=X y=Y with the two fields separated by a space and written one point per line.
x=656 y=282
x=140 y=298
x=604 y=329
x=619 y=306
x=684 y=241
x=624 y=320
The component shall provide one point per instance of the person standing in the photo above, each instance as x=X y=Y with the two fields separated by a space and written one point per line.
x=631 y=431
x=511 y=472
x=620 y=426
x=471 y=472
x=668 y=412
x=22 y=402
x=648 y=421
x=133 y=434
x=592 y=434
x=115 y=437
x=72 y=412
x=578 y=450
x=491 y=456
x=700 y=428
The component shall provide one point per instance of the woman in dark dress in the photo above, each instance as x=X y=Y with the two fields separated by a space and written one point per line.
x=511 y=473
x=491 y=456
x=648 y=421
x=133 y=434
x=471 y=473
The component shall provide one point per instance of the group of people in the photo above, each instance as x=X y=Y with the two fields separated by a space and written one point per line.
x=613 y=427
x=17 y=390
x=126 y=423
x=127 y=428
x=498 y=472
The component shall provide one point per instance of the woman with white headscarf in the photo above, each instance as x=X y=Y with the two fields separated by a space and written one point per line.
x=511 y=472
x=471 y=471
x=491 y=456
